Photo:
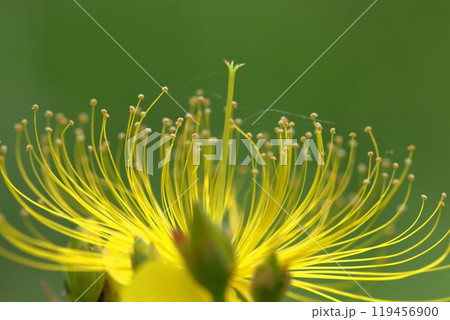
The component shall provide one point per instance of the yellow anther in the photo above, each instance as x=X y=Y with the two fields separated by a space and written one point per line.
x=18 y=127
x=318 y=126
x=93 y=102
x=83 y=118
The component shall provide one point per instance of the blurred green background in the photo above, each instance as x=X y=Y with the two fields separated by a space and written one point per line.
x=391 y=70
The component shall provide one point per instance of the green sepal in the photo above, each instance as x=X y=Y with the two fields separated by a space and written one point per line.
x=270 y=281
x=208 y=253
x=143 y=252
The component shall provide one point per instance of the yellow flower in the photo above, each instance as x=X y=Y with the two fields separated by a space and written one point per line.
x=280 y=226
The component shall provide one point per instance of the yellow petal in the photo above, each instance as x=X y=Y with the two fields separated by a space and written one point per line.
x=121 y=272
x=159 y=282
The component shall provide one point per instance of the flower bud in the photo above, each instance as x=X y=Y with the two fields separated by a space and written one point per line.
x=208 y=253
x=78 y=282
x=270 y=281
